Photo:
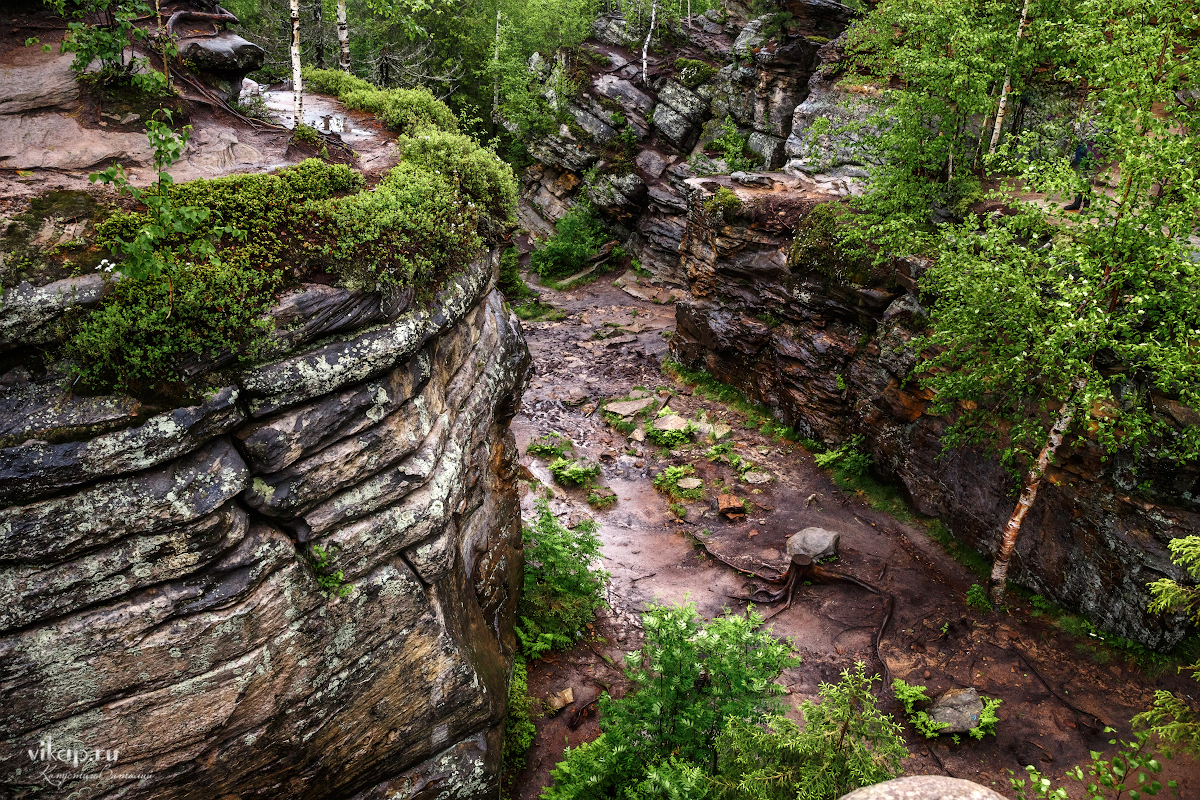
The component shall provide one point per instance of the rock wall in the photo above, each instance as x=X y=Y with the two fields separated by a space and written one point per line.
x=162 y=602
x=825 y=345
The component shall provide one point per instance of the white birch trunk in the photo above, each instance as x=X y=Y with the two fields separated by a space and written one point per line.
x=343 y=31
x=496 y=66
x=1033 y=482
x=297 y=78
x=1007 y=84
x=649 y=33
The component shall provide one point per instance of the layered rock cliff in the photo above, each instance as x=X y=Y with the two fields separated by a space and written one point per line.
x=178 y=580
x=826 y=344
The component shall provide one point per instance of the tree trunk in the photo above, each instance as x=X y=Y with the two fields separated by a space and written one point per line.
x=690 y=15
x=343 y=37
x=496 y=66
x=1033 y=482
x=649 y=33
x=1007 y=83
x=319 y=39
x=297 y=78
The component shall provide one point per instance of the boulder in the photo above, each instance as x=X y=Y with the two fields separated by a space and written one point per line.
x=958 y=710
x=612 y=29
x=750 y=38
x=618 y=193
x=678 y=129
x=224 y=59
x=632 y=99
x=924 y=787
x=767 y=147
x=752 y=179
x=686 y=102
x=27 y=313
x=670 y=422
x=46 y=85
x=58 y=141
x=651 y=163
x=812 y=544
x=598 y=129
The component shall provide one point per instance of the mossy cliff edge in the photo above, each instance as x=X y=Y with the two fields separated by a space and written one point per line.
x=259 y=528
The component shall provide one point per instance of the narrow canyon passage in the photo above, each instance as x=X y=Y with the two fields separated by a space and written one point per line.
x=1059 y=691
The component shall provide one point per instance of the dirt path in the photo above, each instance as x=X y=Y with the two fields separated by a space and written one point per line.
x=1059 y=691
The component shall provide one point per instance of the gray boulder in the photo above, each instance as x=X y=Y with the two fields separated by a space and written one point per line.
x=39 y=86
x=613 y=192
x=683 y=100
x=924 y=787
x=812 y=544
x=959 y=709
x=631 y=98
x=678 y=129
x=27 y=312
x=767 y=147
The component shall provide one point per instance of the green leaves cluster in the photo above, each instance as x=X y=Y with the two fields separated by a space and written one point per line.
x=1034 y=308
x=573 y=472
x=406 y=111
x=577 y=237
x=1130 y=773
x=562 y=589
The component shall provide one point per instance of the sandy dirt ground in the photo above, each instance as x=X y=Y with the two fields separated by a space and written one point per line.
x=1060 y=691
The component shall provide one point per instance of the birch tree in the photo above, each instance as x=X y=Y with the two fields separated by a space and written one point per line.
x=343 y=35
x=297 y=79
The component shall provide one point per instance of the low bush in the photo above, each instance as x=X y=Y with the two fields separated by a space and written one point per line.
x=691 y=73
x=477 y=171
x=562 y=588
x=846 y=461
x=571 y=472
x=510 y=282
x=668 y=480
x=577 y=237
x=670 y=438
x=723 y=201
x=519 y=730
x=552 y=445
x=406 y=111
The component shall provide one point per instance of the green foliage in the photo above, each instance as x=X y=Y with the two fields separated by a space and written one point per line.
x=846 y=460
x=562 y=588
x=723 y=201
x=601 y=501
x=570 y=472
x=537 y=310
x=478 y=172
x=670 y=438
x=987 y=718
x=510 y=282
x=1130 y=773
x=691 y=73
x=519 y=731
x=1098 y=309
x=577 y=237
x=689 y=680
x=406 y=111
x=306 y=134
x=909 y=695
x=552 y=445
x=331 y=580
x=668 y=480
x=732 y=147
x=103 y=31
x=845 y=743
x=1171 y=718
x=977 y=598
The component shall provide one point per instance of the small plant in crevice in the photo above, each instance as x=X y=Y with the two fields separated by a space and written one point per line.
x=562 y=587
x=332 y=581
x=1132 y=773
x=306 y=135
x=519 y=730
x=846 y=460
x=536 y=310
x=724 y=202
x=670 y=438
x=573 y=472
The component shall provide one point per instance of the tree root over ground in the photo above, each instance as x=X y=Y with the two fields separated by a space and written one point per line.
x=815 y=573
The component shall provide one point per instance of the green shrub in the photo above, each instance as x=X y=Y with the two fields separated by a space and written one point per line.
x=562 y=590
x=552 y=445
x=691 y=73
x=306 y=134
x=816 y=240
x=732 y=146
x=519 y=730
x=723 y=201
x=331 y=580
x=667 y=482
x=601 y=500
x=846 y=461
x=147 y=328
x=845 y=743
x=577 y=237
x=537 y=310
x=510 y=282
x=977 y=598
x=690 y=679
x=573 y=472
x=406 y=111
x=479 y=172
x=670 y=438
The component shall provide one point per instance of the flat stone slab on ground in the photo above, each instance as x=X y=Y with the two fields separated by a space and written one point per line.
x=627 y=408
x=756 y=478
x=689 y=483
x=924 y=787
x=671 y=422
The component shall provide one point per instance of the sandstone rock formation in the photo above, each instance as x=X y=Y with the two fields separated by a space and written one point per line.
x=164 y=594
x=825 y=343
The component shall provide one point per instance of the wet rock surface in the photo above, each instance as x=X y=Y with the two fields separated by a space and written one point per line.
x=1056 y=697
x=166 y=596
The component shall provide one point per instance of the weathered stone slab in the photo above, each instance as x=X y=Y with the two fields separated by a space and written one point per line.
x=670 y=422
x=678 y=129
x=598 y=129
x=49 y=84
x=37 y=469
x=49 y=411
x=627 y=408
x=629 y=96
x=274 y=443
x=958 y=709
x=157 y=500
x=683 y=100
x=292 y=380
x=26 y=311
